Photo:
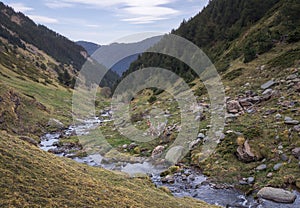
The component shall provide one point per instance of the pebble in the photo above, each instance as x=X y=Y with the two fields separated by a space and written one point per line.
x=261 y=167
x=277 y=166
x=268 y=84
x=250 y=180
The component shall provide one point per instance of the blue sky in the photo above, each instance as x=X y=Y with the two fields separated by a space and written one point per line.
x=104 y=21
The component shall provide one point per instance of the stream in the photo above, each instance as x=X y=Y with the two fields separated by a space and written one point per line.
x=190 y=183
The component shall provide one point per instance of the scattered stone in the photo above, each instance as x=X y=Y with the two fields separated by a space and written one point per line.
x=244 y=153
x=132 y=146
x=292 y=76
x=296 y=152
x=267 y=92
x=242 y=182
x=284 y=157
x=297 y=128
x=201 y=136
x=250 y=180
x=125 y=146
x=277 y=195
x=277 y=166
x=157 y=151
x=278 y=116
x=268 y=84
x=168 y=179
x=270 y=175
x=194 y=143
x=234 y=106
x=290 y=121
x=245 y=102
x=261 y=167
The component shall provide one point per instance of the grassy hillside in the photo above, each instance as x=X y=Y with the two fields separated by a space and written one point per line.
x=33 y=178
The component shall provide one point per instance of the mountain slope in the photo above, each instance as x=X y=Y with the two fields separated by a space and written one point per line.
x=17 y=27
x=39 y=179
x=249 y=48
x=125 y=52
x=89 y=46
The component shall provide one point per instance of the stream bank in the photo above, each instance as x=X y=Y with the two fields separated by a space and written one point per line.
x=187 y=182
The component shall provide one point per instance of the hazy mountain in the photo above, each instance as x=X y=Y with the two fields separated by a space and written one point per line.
x=89 y=46
x=125 y=53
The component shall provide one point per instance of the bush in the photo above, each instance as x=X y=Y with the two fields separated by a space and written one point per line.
x=152 y=99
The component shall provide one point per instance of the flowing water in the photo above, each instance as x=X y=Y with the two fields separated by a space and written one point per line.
x=191 y=183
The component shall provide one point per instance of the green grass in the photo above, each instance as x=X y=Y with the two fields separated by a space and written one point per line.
x=33 y=178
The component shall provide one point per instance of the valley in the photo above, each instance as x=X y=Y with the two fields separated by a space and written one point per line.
x=56 y=152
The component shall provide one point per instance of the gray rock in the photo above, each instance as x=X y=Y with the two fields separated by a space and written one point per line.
x=194 y=143
x=289 y=120
x=234 y=106
x=261 y=167
x=268 y=84
x=284 y=157
x=175 y=154
x=157 y=151
x=277 y=195
x=132 y=146
x=201 y=136
x=244 y=153
x=292 y=76
x=278 y=116
x=270 y=175
x=242 y=182
x=296 y=152
x=297 y=128
x=54 y=123
x=169 y=179
x=267 y=92
x=250 y=180
x=277 y=166
x=292 y=122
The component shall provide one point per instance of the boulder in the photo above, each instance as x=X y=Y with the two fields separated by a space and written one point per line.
x=277 y=195
x=261 y=167
x=277 y=166
x=297 y=128
x=268 y=84
x=194 y=143
x=290 y=121
x=234 y=106
x=54 y=123
x=244 y=153
x=157 y=151
x=296 y=152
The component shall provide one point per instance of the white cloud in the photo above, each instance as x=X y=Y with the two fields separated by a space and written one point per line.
x=43 y=19
x=19 y=7
x=54 y=4
x=93 y=26
x=143 y=19
x=133 y=11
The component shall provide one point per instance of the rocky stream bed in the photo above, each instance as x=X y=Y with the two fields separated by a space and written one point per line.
x=187 y=182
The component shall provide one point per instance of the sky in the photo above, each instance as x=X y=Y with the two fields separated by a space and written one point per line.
x=107 y=21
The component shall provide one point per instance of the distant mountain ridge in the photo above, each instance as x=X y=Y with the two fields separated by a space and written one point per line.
x=89 y=46
x=125 y=52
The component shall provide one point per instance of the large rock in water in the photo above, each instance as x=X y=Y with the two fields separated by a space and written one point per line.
x=277 y=195
x=54 y=123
